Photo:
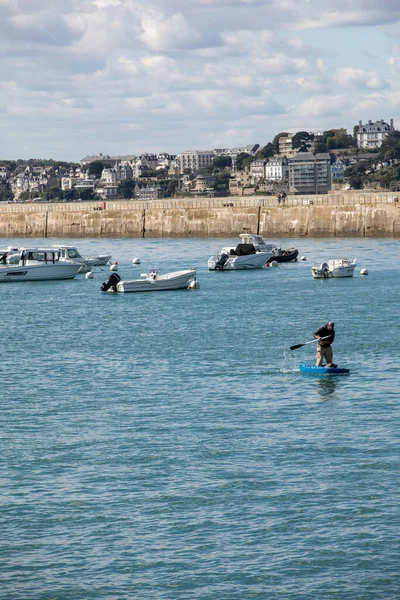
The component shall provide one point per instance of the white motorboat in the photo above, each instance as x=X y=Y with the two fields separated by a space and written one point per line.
x=72 y=255
x=37 y=264
x=100 y=261
x=338 y=267
x=151 y=282
x=245 y=255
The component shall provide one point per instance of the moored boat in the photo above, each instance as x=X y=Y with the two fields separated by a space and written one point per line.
x=243 y=256
x=339 y=267
x=277 y=252
x=71 y=254
x=151 y=282
x=38 y=264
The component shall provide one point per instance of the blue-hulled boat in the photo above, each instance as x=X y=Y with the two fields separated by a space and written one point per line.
x=323 y=370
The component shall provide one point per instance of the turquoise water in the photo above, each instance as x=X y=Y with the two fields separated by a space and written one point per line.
x=165 y=446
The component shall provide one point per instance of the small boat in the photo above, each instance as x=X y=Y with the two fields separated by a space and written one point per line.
x=325 y=370
x=278 y=253
x=151 y=282
x=37 y=264
x=72 y=255
x=243 y=256
x=339 y=267
x=100 y=261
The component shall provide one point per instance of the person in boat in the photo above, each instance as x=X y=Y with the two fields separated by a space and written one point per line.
x=325 y=336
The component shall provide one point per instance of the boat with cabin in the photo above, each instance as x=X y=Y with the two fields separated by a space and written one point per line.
x=36 y=264
x=338 y=267
x=244 y=255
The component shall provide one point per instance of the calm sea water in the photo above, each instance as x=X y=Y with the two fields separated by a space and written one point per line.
x=165 y=446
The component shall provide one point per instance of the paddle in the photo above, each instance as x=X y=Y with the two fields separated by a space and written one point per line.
x=305 y=344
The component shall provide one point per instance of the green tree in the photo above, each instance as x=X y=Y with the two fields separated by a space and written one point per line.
x=265 y=152
x=86 y=194
x=96 y=168
x=302 y=141
x=125 y=188
x=221 y=162
x=170 y=187
x=390 y=148
x=53 y=192
x=242 y=160
x=221 y=183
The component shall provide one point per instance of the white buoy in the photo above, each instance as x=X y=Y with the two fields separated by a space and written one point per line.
x=194 y=285
x=136 y=261
x=114 y=267
x=274 y=263
x=89 y=275
x=303 y=258
x=364 y=272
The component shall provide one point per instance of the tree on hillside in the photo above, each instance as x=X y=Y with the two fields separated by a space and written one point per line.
x=242 y=160
x=125 y=188
x=390 y=148
x=221 y=183
x=266 y=152
x=221 y=162
x=302 y=141
x=96 y=168
x=338 y=138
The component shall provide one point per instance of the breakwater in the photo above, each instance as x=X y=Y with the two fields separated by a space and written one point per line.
x=358 y=215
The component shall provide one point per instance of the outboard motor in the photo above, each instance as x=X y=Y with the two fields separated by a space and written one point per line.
x=221 y=262
x=111 y=283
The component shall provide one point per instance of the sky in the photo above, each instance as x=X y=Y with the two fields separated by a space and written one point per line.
x=81 y=77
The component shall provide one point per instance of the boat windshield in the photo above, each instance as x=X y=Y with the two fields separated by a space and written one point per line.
x=73 y=253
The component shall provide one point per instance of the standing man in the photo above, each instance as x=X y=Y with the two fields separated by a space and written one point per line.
x=325 y=336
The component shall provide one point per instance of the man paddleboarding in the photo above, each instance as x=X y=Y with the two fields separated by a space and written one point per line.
x=325 y=336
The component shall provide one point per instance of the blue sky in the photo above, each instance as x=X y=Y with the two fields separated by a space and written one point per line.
x=129 y=76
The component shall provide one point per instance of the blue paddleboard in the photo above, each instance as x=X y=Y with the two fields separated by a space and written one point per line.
x=323 y=370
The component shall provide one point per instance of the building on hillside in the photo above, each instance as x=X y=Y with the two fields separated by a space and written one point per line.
x=109 y=177
x=107 y=191
x=195 y=160
x=337 y=169
x=257 y=171
x=105 y=158
x=149 y=193
x=310 y=174
x=276 y=168
x=371 y=135
x=286 y=147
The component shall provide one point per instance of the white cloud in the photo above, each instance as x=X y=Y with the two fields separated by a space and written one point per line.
x=185 y=73
x=351 y=78
x=168 y=33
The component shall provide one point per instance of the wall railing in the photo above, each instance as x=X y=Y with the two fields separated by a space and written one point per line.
x=334 y=199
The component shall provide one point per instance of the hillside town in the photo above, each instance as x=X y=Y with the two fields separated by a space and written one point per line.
x=292 y=163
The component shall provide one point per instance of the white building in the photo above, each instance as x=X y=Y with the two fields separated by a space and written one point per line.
x=371 y=135
x=195 y=160
x=257 y=170
x=276 y=168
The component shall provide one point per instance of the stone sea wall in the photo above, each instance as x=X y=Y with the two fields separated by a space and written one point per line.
x=357 y=216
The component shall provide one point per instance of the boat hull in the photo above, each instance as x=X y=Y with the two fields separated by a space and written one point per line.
x=312 y=369
x=100 y=261
x=177 y=280
x=235 y=263
x=289 y=257
x=38 y=272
